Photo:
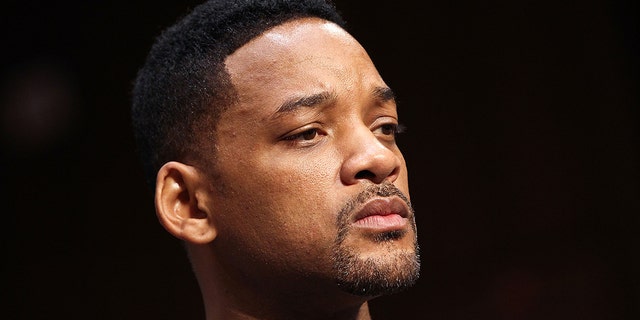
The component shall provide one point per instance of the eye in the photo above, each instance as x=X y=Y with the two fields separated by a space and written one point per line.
x=388 y=129
x=309 y=134
x=304 y=137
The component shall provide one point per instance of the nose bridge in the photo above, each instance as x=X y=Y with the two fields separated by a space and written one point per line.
x=368 y=158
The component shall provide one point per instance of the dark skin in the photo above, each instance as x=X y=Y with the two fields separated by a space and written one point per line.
x=309 y=182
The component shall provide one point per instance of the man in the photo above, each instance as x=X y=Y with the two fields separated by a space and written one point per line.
x=270 y=138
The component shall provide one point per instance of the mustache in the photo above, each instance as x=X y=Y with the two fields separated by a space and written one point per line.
x=386 y=189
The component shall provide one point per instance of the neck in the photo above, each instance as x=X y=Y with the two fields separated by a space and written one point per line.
x=232 y=296
x=215 y=312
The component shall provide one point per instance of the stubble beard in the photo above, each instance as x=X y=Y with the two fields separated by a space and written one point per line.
x=386 y=273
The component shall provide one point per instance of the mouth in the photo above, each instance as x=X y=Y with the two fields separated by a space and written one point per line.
x=383 y=214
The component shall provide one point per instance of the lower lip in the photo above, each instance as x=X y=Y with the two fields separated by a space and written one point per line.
x=389 y=221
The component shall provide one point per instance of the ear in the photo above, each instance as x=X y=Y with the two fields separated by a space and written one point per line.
x=181 y=197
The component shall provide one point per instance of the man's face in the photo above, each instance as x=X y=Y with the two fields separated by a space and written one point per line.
x=310 y=183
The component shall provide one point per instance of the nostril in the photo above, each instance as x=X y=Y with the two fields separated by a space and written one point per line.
x=365 y=174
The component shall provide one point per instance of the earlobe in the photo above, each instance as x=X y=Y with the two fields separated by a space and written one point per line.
x=180 y=200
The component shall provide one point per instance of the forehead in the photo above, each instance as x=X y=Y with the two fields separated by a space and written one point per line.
x=300 y=57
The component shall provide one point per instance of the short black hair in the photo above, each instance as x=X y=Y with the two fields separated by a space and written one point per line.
x=183 y=86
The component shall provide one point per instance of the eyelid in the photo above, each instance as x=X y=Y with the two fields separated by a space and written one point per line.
x=383 y=121
x=293 y=137
x=300 y=130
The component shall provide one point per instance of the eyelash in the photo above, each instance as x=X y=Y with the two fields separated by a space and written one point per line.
x=396 y=128
x=302 y=134
x=301 y=137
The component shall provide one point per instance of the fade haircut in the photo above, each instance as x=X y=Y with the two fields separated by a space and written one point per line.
x=183 y=87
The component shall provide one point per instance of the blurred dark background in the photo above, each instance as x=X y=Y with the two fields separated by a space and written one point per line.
x=522 y=145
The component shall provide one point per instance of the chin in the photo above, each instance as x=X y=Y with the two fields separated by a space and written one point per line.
x=389 y=271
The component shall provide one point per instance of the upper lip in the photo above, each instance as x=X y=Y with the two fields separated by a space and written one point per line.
x=382 y=206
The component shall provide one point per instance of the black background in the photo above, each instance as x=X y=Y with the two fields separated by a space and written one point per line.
x=522 y=147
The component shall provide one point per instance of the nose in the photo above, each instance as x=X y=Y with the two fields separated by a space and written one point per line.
x=367 y=158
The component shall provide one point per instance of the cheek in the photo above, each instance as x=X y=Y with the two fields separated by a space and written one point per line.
x=307 y=173
x=303 y=192
x=281 y=217
x=402 y=182
x=285 y=197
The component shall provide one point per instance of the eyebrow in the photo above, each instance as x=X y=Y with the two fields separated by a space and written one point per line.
x=305 y=101
x=384 y=94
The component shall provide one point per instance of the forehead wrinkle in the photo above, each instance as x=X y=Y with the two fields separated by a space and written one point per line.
x=306 y=101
